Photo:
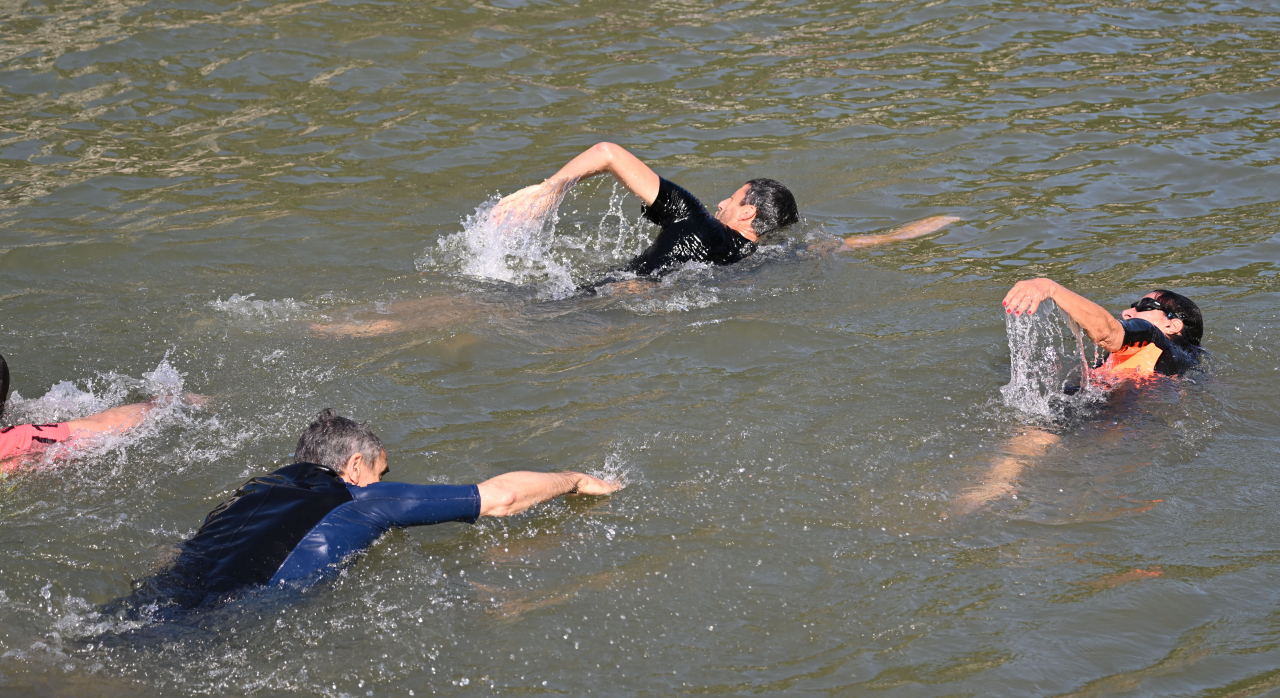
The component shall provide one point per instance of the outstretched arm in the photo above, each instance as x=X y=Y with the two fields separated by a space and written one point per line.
x=118 y=419
x=512 y=493
x=903 y=232
x=1100 y=325
x=532 y=201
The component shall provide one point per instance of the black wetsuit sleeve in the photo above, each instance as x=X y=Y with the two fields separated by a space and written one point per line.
x=1174 y=356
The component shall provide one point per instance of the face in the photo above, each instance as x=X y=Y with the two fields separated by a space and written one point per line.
x=360 y=472
x=380 y=467
x=732 y=210
x=1156 y=317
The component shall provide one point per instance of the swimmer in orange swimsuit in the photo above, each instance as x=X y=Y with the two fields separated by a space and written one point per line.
x=1159 y=334
x=27 y=438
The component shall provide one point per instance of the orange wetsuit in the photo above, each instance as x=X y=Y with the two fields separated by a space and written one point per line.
x=19 y=439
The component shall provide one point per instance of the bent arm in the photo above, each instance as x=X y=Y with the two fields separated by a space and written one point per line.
x=512 y=493
x=1100 y=325
x=617 y=161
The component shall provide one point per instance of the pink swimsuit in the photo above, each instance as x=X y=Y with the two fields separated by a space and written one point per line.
x=19 y=439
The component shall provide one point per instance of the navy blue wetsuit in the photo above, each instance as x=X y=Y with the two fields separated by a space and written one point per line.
x=295 y=522
x=689 y=234
x=1175 y=357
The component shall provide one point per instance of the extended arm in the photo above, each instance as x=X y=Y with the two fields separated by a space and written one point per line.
x=617 y=161
x=1100 y=325
x=903 y=232
x=116 y=419
x=512 y=493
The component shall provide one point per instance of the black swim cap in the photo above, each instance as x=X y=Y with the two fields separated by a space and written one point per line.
x=4 y=384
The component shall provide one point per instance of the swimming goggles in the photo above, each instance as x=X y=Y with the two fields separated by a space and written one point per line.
x=1145 y=304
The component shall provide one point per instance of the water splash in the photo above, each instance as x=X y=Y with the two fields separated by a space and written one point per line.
x=245 y=307
x=163 y=387
x=682 y=302
x=1048 y=369
x=551 y=252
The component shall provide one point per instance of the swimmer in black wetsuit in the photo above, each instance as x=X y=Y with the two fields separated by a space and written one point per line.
x=302 y=520
x=689 y=232
x=1157 y=334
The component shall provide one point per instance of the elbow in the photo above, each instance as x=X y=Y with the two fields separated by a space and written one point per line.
x=606 y=150
x=1112 y=341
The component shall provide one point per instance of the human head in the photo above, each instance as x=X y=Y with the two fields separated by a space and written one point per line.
x=4 y=384
x=1179 y=316
x=775 y=205
x=335 y=441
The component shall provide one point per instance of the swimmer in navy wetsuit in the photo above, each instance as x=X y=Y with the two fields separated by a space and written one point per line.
x=301 y=520
x=1157 y=335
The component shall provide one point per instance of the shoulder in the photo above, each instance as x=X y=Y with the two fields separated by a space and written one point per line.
x=672 y=204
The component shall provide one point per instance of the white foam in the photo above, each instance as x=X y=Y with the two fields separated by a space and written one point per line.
x=554 y=258
x=682 y=302
x=245 y=307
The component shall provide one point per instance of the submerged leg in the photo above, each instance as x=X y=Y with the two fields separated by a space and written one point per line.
x=1033 y=443
x=430 y=313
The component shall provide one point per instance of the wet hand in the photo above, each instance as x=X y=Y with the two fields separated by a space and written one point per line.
x=595 y=486
x=1026 y=296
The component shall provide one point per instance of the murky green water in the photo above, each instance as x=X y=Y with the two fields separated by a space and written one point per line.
x=790 y=428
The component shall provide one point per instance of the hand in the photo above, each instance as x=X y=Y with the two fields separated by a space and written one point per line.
x=595 y=486
x=529 y=204
x=1026 y=296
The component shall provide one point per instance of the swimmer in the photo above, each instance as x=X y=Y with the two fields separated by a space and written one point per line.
x=1157 y=335
x=26 y=439
x=305 y=518
x=689 y=233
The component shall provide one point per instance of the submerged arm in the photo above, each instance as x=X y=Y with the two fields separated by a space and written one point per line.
x=1100 y=325
x=512 y=493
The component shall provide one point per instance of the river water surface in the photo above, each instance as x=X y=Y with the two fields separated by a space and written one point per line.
x=188 y=186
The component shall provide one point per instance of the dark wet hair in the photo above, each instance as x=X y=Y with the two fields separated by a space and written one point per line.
x=4 y=384
x=775 y=206
x=1186 y=310
x=332 y=439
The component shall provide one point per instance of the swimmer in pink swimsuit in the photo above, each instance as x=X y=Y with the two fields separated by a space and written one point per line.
x=27 y=438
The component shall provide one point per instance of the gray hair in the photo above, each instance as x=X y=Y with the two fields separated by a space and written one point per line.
x=332 y=439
